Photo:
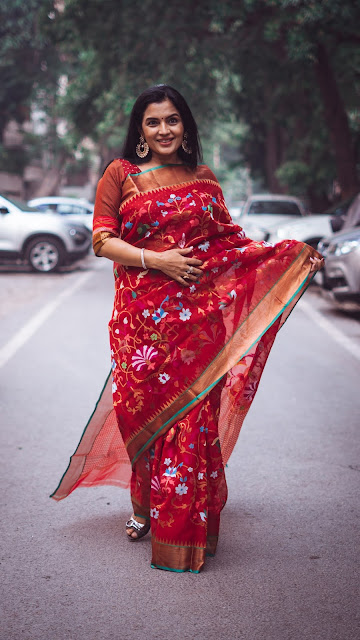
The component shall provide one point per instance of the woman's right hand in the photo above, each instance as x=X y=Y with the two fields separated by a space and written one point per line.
x=176 y=263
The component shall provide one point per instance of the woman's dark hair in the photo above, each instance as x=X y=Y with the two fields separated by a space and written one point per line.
x=159 y=93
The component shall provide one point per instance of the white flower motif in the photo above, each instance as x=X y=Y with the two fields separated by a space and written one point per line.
x=115 y=314
x=143 y=357
x=172 y=195
x=181 y=489
x=163 y=377
x=233 y=294
x=154 y=513
x=190 y=469
x=224 y=259
x=182 y=242
x=114 y=387
x=202 y=515
x=204 y=246
x=146 y=313
x=192 y=203
x=112 y=353
x=155 y=483
x=215 y=269
x=125 y=321
x=192 y=288
x=164 y=213
x=185 y=314
x=147 y=234
x=200 y=476
x=214 y=474
x=179 y=294
x=170 y=471
x=167 y=461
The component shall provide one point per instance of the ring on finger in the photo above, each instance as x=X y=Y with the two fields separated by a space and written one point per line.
x=190 y=269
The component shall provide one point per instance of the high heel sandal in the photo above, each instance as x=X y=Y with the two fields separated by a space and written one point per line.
x=140 y=529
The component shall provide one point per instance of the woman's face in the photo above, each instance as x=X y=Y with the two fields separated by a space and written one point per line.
x=163 y=130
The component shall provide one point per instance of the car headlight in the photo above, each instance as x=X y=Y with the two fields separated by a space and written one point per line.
x=342 y=248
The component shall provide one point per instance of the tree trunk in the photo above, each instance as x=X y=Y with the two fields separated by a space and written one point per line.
x=50 y=183
x=273 y=158
x=338 y=124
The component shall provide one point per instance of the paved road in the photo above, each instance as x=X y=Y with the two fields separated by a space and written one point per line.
x=286 y=567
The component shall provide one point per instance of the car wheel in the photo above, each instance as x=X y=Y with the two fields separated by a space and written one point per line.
x=44 y=254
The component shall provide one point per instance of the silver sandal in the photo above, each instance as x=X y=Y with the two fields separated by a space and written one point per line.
x=140 y=529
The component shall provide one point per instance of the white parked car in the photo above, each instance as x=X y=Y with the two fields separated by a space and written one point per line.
x=43 y=240
x=309 y=229
x=262 y=214
x=75 y=209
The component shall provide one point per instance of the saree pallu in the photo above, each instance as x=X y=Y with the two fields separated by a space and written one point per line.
x=186 y=361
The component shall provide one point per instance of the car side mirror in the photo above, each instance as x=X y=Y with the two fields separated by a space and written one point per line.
x=336 y=223
x=4 y=210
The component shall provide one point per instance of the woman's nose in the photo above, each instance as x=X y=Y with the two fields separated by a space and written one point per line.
x=164 y=127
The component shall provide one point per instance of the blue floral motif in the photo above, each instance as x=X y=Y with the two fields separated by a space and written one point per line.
x=189 y=195
x=191 y=446
x=171 y=472
x=155 y=224
x=160 y=313
x=113 y=364
x=129 y=225
x=160 y=204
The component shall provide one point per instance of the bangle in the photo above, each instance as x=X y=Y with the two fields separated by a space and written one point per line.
x=143 y=259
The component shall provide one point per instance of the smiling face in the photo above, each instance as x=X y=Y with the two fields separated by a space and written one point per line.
x=163 y=130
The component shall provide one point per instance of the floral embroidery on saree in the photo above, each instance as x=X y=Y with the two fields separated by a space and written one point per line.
x=178 y=352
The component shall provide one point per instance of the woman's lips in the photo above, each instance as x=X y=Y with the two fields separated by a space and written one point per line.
x=165 y=143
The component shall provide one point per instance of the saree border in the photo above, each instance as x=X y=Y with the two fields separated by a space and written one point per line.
x=75 y=461
x=177 y=408
x=158 y=189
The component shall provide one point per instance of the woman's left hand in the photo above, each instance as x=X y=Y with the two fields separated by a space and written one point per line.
x=316 y=264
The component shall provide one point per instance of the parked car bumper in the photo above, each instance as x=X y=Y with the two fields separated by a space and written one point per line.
x=341 y=280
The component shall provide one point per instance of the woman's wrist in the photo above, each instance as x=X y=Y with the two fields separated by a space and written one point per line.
x=151 y=259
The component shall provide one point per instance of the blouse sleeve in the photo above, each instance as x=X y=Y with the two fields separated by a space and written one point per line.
x=107 y=202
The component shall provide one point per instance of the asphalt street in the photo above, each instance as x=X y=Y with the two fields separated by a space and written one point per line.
x=287 y=565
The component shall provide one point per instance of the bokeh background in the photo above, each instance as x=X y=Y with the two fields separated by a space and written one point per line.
x=274 y=86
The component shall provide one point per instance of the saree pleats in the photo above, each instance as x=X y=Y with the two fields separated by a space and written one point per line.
x=180 y=484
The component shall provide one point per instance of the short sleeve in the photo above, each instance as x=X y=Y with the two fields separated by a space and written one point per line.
x=107 y=202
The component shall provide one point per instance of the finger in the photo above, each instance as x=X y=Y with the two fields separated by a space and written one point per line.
x=196 y=272
x=184 y=252
x=194 y=261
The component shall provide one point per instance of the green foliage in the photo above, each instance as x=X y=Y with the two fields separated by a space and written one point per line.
x=250 y=71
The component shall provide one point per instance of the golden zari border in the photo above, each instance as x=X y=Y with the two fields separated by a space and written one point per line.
x=279 y=301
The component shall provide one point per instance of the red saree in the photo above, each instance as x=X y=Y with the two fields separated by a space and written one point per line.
x=186 y=361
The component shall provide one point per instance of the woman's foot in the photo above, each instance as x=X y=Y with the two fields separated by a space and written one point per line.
x=137 y=527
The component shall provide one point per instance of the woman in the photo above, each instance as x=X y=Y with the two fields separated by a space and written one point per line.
x=197 y=307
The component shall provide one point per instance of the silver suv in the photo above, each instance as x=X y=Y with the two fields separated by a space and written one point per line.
x=44 y=240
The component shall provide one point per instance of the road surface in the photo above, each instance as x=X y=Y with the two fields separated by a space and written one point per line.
x=288 y=556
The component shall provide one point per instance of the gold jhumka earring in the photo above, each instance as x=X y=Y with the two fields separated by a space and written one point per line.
x=142 y=148
x=185 y=144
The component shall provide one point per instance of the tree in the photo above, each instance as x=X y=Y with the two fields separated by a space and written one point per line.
x=298 y=62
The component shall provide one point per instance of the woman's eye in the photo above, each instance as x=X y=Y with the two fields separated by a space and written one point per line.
x=174 y=120
x=152 y=123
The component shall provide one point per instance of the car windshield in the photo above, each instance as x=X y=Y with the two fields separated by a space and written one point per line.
x=20 y=204
x=274 y=207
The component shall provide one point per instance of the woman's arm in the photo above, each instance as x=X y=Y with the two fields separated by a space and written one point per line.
x=175 y=262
